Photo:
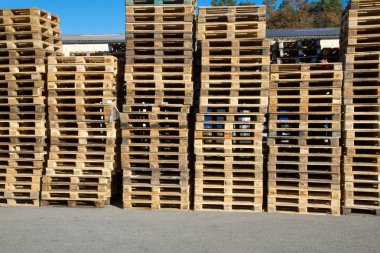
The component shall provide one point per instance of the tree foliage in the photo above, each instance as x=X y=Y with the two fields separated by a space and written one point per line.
x=231 y=3
x=295 y=13
x=223 y=3
x=246 y=2
x=271 y=6
x=304 y=14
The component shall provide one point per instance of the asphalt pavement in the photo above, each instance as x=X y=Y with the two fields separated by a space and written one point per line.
x=112 y=229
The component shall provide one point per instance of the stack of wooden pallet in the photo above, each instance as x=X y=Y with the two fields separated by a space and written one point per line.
x=233 y=103
x=159 y=93
x=302 y=51
x=304 y=135
x=296 y=51
x=361 y=43
x=82 y=109
x=27 y=37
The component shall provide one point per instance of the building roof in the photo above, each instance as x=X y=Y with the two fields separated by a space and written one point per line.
x=309 y=33
x=93 y=38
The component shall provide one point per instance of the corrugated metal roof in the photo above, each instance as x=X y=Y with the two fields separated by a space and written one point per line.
x=93 y=38
x=323 y=33
x=304 y=33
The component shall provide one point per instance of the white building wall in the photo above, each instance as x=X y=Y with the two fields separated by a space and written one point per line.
x=325 y=43
x=71 y=48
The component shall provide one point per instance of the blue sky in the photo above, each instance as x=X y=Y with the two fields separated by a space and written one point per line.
x=85 y=16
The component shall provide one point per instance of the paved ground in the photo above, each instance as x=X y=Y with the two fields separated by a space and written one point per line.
x=115 y=230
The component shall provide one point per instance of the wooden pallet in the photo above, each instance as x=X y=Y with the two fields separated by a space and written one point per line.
x=19 y=12
x=147 y=148
x=74 y=76
x=156 y=197
x=150 y=120
x=308 y=68
x=299 y=205
x=72 y=195
x=155 y=109
x=229 y=126
x=166 y=44
x=82 y=125
x=19 y=163
x=144 y=68
x=218 y=11
x=220 y=26
x=23 y=60
x=152 y=36
x=20 y=194
x=232 y=193
x=233 y=60
x=27 y=23
x=145 y=143
x=365 y=199
x=29 y=12
x=54 y=45
x=169 y=57
x=152 y=97
x=241 y=203
x=223 y=15
x=21 y=68
x=232 y=68
x=227 y=136
x=160 y=157
x=231 y=35
x=74 y=203
x=309 y=165
x=29 y=37
x=361 y=18
x=227 y=118
x=145 y=166
x=65 y=179
x=250 y=46
x=153 y=14
x=251 y=152
x=363 y=4
x=361 y=210
x=19 y=202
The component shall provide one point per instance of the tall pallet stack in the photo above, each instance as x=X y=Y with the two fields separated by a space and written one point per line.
x=304 y=135
x=27 y=37
x=361 y=42
x=159 y=93
x=233 y=104
x=82 y=107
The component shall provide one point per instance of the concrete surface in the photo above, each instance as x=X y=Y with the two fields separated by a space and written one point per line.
x=115 y=230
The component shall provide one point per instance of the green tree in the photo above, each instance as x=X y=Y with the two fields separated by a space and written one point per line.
x=326 y=13
x=291 y=14
x=271 y=6
x=231 y=2
x=327 y=6
x=246 y=2
x=223 y=3
x=285 y=4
